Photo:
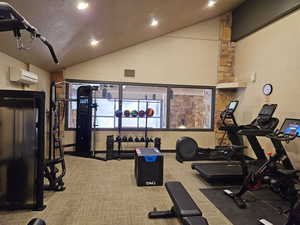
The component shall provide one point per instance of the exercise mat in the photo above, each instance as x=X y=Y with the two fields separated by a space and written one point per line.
x=261 y=204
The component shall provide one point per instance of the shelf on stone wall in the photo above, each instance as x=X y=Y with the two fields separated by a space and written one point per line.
x=232 y=85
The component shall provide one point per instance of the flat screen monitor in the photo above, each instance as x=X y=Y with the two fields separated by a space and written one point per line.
x=291 y=126
x=232 y=105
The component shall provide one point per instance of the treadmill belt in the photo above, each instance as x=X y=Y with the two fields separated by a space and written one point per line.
x=219 y=172
x=261 y=204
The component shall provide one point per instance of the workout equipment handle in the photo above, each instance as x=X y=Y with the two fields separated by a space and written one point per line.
x=50 y=47
x=283 y=137
x=22 y=23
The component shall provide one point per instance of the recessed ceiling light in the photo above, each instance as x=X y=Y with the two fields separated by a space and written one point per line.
x=212 y=3
x=154 y=22
x=82 y=5
x=94 y=42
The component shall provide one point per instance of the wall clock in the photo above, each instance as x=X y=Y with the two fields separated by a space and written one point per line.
x=267 y=89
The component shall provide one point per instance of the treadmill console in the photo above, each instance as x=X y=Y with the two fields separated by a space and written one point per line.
x=265 y=115
x=268 y=110
x=228 y=112
x=232 y=106
x=291 y=126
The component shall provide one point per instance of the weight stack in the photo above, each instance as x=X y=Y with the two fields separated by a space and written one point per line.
x=109 y=147
x=157 y=143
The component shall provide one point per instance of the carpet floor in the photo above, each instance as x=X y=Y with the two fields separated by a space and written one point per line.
x=105 y=193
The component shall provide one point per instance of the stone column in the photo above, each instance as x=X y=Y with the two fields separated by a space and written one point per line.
x=225 y=73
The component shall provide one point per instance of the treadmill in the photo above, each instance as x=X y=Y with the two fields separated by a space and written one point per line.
x=234 y=171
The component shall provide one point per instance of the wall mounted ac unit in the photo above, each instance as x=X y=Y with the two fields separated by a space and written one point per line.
x=22 y=76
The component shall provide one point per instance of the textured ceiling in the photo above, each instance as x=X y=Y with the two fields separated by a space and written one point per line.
x=117 y=23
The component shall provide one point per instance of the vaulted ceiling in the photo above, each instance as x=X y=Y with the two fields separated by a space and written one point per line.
x=116 y=23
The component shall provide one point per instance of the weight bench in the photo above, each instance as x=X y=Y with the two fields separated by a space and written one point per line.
x=184 y=207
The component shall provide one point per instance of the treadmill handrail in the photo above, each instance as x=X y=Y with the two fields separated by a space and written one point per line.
x=255 y=132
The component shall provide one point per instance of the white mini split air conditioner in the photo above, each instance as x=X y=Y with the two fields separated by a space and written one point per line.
x=22 y=76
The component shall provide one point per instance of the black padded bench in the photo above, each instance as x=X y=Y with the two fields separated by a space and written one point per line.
x=184 y=207
x=194 y=220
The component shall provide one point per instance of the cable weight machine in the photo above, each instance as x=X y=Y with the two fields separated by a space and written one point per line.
x=86 y=105
x=56 y=150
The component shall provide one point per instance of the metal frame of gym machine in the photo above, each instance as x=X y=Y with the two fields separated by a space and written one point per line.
x=277 y=176
x=24 y=154
x=56 y=116
x=12 y=20
x=86 y=103
x=234 y=171
x=187 y=148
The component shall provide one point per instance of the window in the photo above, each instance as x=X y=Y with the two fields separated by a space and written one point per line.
x=191 y=108
x=174 y=107
x=107 y=99
x=141 y=98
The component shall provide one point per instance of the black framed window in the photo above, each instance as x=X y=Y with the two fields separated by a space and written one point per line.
x=191 y=108
x=175 y=107
x=107 y=98
x=141 y=98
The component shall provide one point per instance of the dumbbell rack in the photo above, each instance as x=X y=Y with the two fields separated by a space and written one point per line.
x=119 y=154
x=120 y=131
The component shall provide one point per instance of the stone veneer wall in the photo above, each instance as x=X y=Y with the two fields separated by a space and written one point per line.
x=225 y=72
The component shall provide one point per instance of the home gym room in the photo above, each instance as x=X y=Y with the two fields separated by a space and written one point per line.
x=149 y=112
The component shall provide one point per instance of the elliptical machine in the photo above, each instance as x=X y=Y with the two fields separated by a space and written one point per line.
x=187 y=148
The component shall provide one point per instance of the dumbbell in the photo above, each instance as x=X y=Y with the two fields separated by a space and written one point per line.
x=124 y=139
x=151 y=139
x=137 y=139
x=142 y=139
x=130 y=139
x=118 y=139
x=147 y=139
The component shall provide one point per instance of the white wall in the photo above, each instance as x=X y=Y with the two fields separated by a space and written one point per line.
x=43 y=85
x=273 y=53
x=7 y=61
x=188 y=56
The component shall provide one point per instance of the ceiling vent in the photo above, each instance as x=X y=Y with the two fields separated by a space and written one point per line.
x=129 y=73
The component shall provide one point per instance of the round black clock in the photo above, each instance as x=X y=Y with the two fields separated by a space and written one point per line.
x=267 y=89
